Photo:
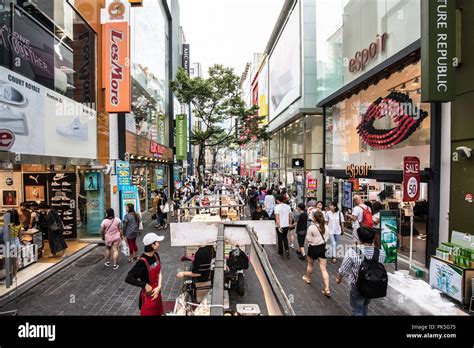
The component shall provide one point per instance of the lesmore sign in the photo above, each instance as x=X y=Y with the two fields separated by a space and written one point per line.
x=116 y=46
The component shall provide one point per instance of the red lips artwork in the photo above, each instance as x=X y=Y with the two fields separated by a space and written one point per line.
x=7 y=139
x=405 y=114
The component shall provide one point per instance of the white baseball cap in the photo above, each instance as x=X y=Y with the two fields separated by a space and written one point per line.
x=151 y=238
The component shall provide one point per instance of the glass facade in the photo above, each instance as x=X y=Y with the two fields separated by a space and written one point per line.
x=303 y=140
x=379 y=125
x=150 y=58
x=346 y=27
x=56 y=47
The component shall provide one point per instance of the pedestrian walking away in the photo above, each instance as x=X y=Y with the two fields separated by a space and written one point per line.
x=54 y=228
x=131 y=225
x=351 y=266
x=361 y=216
x=317 y=236
x=283 y=217
x=147 y=275
x=301 y=225
x=112 y=235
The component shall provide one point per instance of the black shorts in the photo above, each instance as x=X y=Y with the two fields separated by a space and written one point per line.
x=317 y=252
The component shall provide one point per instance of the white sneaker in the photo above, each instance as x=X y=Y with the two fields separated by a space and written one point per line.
x=12 y=96
x=56 y=190
x=59 y=176
x=15 y=123
x=68 y=213
x=65 y=183
x=75 y=130
x=55 y=184
x=68 y=218
x=65 y=198
x=66 y=204
x=292 y=246
x=67 y=228
x=57 y=198
x=66 y=190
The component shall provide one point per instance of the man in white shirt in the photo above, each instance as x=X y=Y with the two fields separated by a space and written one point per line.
x=282 y=219
x=358 y=216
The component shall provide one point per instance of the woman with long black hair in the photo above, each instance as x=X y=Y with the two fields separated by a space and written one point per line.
x=317 y=235
x=54 y=228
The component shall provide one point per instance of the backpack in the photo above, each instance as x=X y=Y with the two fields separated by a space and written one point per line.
x=367 y=219
x=372 y=281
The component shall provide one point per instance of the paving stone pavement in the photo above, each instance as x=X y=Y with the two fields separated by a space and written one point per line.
x=100 y=290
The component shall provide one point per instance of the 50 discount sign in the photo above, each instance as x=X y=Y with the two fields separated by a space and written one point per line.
x=411 y=179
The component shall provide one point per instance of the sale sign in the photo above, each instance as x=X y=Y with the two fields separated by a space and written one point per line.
x=411 y=179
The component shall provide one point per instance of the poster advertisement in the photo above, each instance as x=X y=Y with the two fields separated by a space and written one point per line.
x=123 y=174
x=129 y=195
x=347 y=195
x=446 y=278
x=91 y=181
x=389 y=232
x=159 y=178
x=312 y=184
x=95 y=212
x=73 y=127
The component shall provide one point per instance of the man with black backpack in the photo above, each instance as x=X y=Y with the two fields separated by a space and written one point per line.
x=365 y=270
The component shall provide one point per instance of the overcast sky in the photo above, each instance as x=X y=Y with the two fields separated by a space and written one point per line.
x=228 y=31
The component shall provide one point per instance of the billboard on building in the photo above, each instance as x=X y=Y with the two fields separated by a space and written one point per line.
x=263 y=93
x=285 y=66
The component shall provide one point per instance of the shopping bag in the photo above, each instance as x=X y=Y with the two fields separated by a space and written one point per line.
x=165 y=208
x=124 y=248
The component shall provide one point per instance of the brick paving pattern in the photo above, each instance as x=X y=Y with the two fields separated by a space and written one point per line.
x=100 y=290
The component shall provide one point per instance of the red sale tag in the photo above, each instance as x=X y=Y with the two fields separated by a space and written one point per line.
x=411 y=179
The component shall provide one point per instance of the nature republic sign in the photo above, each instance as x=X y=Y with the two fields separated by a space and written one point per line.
x=438 y=50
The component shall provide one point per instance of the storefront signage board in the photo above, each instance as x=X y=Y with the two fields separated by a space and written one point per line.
x=362 y=57
x=438 y=50
x=447 y=278
x=388 y=234
x=116 y=61
x=354 y=171
x=156 y=149
x=181 y=137
x=71 y=130
x=297 y=163
x=186 y=57
x=123 y=174
x=411 y=179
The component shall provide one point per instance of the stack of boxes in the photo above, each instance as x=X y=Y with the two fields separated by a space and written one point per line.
x=463 y=257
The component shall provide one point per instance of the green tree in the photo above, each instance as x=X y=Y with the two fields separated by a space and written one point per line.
x=218 y=104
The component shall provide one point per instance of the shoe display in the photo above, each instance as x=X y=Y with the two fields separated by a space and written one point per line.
x=65 y=184
x=75 y=130
x=66 y=204
x=65 y=198
x=68 y=218
x=12 y=96
x=68 y=228
x=67 y=233
x=56 y=205
x=67 y=190
x=60 y=176
x=16 y=123
x=56 y=190
x=68 y=213
x=57 y=198
x=55 y=184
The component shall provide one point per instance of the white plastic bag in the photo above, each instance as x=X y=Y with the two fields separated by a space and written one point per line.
x=124 y=248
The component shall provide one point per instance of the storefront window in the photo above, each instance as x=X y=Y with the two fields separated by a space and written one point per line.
x=91 y=203
x=63 y=47
x=345 y=27
x=149 y=73
x=379 y=124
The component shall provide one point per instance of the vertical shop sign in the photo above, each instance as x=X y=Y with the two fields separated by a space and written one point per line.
x=129 y=195
x=181 y=137
x=411 y=179
x=161 y=128
x=116 y=47
x=186 y=58
x=389 y=232
x=123 y=174
x=438 y=50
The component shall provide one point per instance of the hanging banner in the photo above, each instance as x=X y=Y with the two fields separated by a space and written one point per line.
x=411 y=179
x=116 y=53
x=186 y=58
x=123 y=174
x=389 y=232
x=438 y=50
x=181 y=137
